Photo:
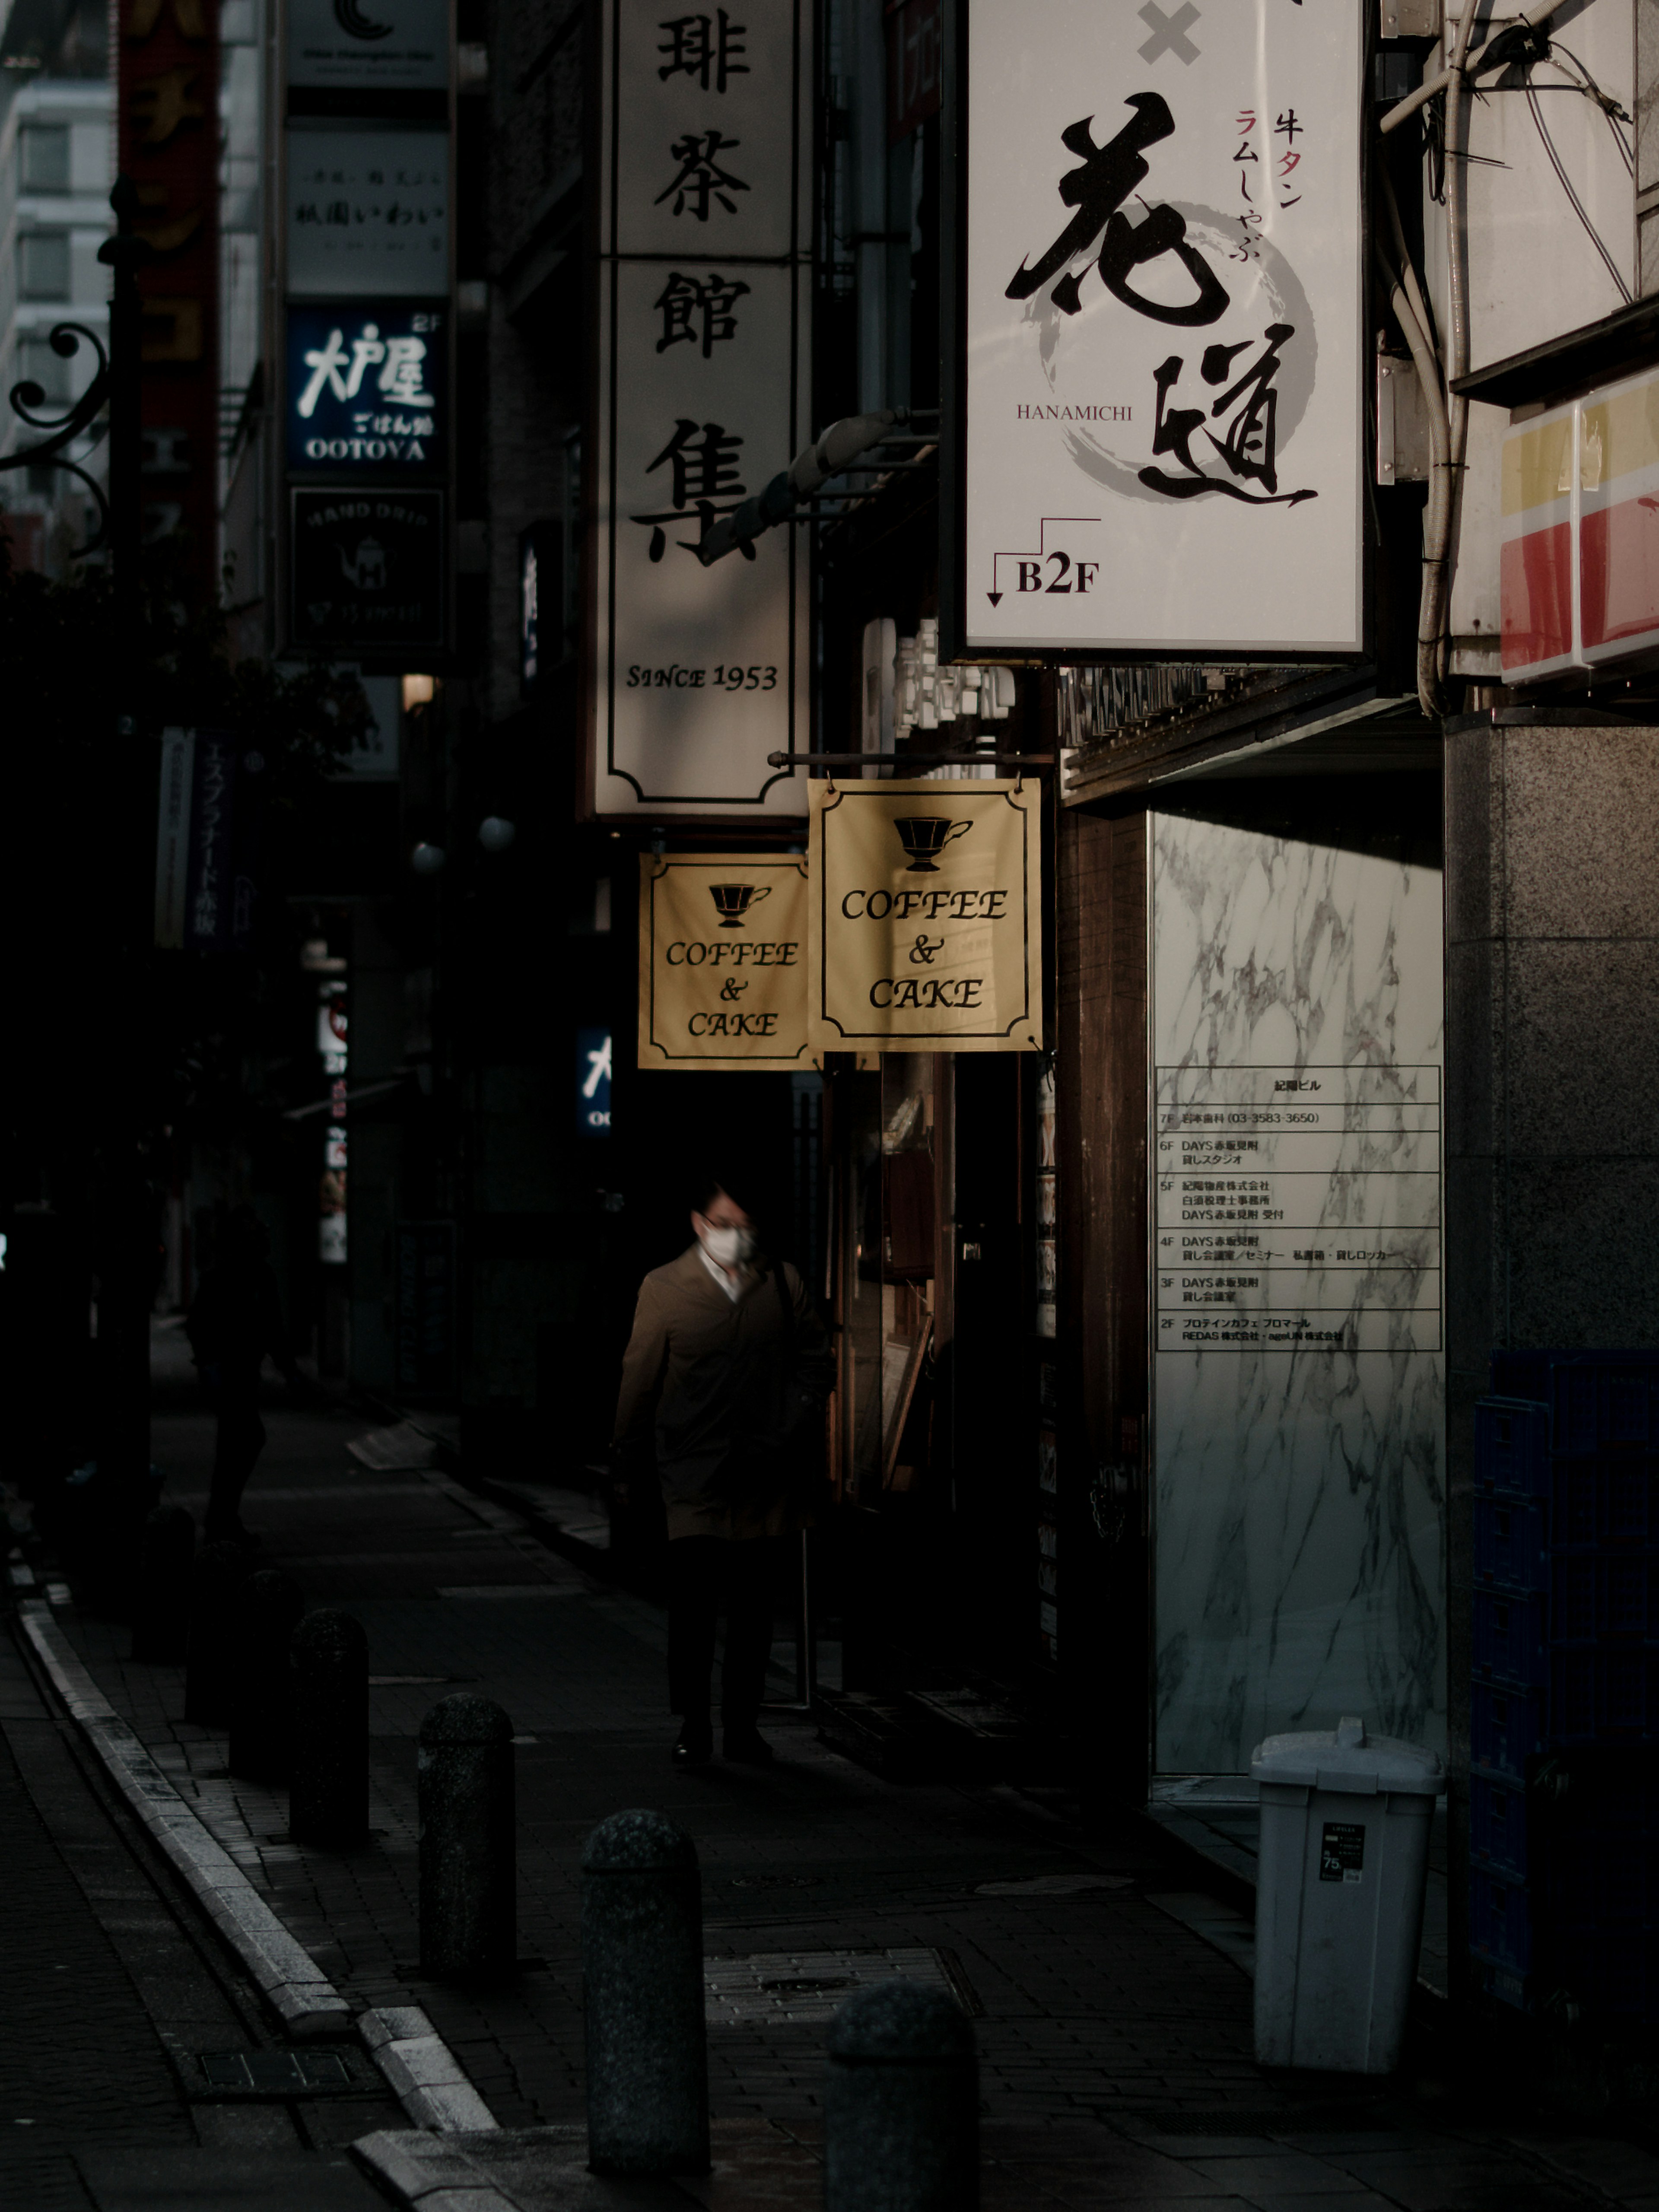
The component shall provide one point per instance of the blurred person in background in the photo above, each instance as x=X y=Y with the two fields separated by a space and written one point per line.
x=724 y=1382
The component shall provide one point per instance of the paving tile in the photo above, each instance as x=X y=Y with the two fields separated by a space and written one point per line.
x=1281 y=2173
x=1281 y=2200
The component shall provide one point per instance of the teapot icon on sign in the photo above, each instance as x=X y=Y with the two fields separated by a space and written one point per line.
x=366 y=568
x=924 y=836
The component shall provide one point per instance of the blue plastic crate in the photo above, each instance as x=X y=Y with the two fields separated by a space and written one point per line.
x=1497 y=1825
x=1511 y=1638
x=1511 y=1448
x=1609 y=1970
x=1523 y=1374
x=1527 y=1374
x=1604 y=1499
x=1511 y=1543
x=1605 y=1401
x=1604 y=1595
x=1506 y=1726
x=1601 y=1694
x=1507 y=1987
x=1500 y=1921
x=1595 y=1873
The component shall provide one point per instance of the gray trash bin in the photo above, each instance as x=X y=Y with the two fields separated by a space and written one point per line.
x=1339 y=1901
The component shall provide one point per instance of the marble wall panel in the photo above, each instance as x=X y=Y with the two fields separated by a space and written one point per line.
x=1299 y=1499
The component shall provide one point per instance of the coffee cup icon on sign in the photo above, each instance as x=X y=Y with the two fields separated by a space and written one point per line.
x=925 y=836
x=733 y=901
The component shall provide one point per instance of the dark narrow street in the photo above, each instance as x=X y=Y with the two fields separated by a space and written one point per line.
x=1109 y=1991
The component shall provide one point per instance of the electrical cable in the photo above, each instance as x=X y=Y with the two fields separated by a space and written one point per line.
x=1440 y=553
x=1616 y=116
x=1411 y=314
x=1512 y=44
x=1590 y=231
x=1447 y=406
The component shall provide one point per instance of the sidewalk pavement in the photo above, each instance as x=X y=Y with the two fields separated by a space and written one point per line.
x=114 y=1990
x=1111 y=2000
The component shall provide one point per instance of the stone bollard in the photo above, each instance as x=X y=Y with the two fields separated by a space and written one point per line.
x=648 y=2055
x=161 y=1590
x=262 y=1704
x=328 y=1783
x=469 y=1911
x=216 y=1581
x=901 y=2107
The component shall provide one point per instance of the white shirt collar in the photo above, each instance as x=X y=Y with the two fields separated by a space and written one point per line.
x=733 y=1291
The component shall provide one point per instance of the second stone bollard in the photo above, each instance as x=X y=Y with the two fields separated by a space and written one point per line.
x=161 y=1590
x=261 y=1707
x=648 y=2055
x=901 y=2107
x=328 y=1784
x=216 y=1581
x=469 y=1904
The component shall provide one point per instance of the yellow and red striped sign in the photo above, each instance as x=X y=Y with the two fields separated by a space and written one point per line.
x=1579 y=557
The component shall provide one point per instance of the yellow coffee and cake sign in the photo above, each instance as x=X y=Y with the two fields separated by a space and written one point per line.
x=915 y=924
x=723 y=960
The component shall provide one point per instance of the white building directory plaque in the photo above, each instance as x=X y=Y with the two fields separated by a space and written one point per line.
x=1298 y=1208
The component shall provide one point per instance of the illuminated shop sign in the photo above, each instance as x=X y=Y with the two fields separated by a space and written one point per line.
x=367 y=391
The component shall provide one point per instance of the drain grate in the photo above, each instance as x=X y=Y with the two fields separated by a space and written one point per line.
x=242 y=2074
x=795 y=1988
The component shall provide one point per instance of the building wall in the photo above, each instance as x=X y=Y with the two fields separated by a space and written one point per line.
x=78 y=213
x=1100 y=1060
x=1552 y=1133
x=536 y=340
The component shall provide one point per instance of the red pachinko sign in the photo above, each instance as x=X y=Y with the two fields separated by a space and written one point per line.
x=169 y=91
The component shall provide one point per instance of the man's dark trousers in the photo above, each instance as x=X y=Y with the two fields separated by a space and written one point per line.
x=708 y=1575
x=237 y=1444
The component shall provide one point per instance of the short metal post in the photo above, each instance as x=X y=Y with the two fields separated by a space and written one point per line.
x=469 y=1912
x=216 y=1585
x=901 y=2107
x=262 y=1709
x=648 y=2055
x=161 y=1590
x=328 y=1786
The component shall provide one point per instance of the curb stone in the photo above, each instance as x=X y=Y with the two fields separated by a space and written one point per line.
x=428 y=2079
x=293 y=1984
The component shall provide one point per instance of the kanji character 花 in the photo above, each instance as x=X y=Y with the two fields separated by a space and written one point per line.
x=1098 y=190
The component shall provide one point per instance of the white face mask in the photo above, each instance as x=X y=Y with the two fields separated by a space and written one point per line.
x=728 y=1248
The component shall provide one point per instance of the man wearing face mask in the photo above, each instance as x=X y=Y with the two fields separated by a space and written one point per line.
x=727 y=1371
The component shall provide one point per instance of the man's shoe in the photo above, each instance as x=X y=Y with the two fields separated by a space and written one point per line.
x=745 y=1747
x=695 y=1746
x=234 y=1533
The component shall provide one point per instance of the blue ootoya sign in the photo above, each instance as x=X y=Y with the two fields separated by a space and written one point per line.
x=593 y=1082
x=368 y=390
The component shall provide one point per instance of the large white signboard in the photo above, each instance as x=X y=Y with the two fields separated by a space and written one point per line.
x=697 y=674
x=1164 y=416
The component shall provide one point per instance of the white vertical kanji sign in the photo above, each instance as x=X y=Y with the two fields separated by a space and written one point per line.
x=697 y=674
